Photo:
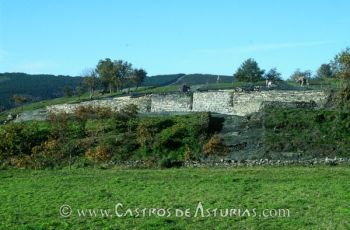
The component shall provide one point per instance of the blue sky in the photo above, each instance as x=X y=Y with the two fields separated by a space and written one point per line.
x=168 y=36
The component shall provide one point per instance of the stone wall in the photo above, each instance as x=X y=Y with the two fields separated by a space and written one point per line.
x=179 y=102
x=143 y=103
x=245 y=103
x=225 y=101
x=215 y=101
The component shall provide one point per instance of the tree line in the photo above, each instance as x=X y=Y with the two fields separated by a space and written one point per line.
x=338 y=67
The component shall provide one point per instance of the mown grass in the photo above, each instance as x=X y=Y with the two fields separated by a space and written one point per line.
x=317 y=197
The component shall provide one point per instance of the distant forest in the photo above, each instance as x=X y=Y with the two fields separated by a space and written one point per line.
x=33 y=87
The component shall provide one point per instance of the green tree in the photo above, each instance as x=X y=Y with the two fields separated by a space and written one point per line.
x=298 y=75
x=341 y=69
x=139 y=75
x=341 y=64
x=91 y=81
x=273 y=75
x=20 y=100
x=324 y=71
x=67 y=91
x=79 y=90
x=249 y=71
x=106 y=71
x=123 y=73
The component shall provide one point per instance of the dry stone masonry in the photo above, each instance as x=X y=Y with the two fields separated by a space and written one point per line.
x=227 y=102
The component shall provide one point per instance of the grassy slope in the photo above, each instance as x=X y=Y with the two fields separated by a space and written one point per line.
x=317 y=197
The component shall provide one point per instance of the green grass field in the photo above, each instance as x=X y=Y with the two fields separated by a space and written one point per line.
x=316 y=197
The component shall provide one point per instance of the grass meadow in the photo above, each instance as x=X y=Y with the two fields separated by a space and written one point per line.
x=316 y=197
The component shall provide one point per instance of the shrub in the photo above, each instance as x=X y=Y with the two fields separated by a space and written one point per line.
x=21 y=161
x=47 y=154
x=343 y=97
x=64 y=127
x=94 y=128
x=171 y=138
x=125 y=146
x=129 y=111
x=168 y=162
x=146 y=132
x=99 y=154
x=92 y=112
x=19 y=138
x=189 y=154
x=215 y=146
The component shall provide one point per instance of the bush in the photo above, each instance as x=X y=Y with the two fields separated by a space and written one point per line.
x=95 y=128
x=65 y=138
x=170 y=163
x=47 y=154
x=19 y=138
x=343 y=97
x=315 y=133
x=98 y=154
x=90 y=112
x=125 y=146
x=146 y=132
x=215 y=146
x=190 y=154
x=21 y=161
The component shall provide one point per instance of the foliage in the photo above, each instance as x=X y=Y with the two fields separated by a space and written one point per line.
x=341 y=64
x=34 y=87
x=138 y=76
x=98 y=154
x=125 y=146
x=102 y=135
x=147 y=130
x=67 y=91
x=215 y=146
x=79 y=91
x=313 y=133
x=19 y=99
x=107 y=72
x=65 y=127
x=343 y=96
x=92 y=112
x=273 y=75
x=113 y=73
x=171 y=137
x=297 y=74
x=168 y=162
x=47 y=154
x=91 y=81
x=249 y=71
x=325 y=71
x=19 y=138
